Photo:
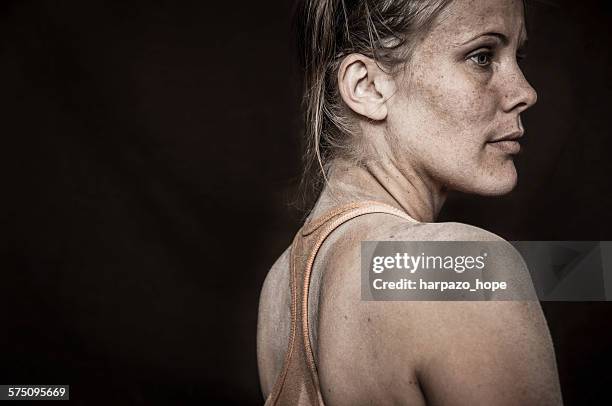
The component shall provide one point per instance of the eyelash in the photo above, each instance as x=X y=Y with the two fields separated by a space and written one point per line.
x=488 y=54
x=520 y=57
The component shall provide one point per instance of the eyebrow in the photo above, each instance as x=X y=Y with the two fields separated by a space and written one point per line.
x=503 y=38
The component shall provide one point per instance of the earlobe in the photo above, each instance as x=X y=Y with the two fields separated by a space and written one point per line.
x=364 y=86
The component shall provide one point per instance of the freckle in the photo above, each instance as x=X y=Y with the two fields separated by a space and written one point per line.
x=369 y=319
x=345 y=317
x=391 y=236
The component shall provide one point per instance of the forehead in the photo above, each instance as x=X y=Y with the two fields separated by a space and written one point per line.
x=464 y=19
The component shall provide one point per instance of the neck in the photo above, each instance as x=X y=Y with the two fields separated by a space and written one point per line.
x=383 y=181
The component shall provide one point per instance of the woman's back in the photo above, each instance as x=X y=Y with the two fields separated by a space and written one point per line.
x=338 y=244
x=336 y=274
x=386 y=352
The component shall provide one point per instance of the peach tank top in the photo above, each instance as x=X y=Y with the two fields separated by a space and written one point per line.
x=298 y=383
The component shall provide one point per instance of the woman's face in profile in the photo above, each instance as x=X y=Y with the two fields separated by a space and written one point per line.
x=462 y=91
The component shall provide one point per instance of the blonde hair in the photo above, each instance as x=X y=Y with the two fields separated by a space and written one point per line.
x=328 y=30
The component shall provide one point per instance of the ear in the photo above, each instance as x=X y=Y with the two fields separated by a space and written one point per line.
x=364 y=86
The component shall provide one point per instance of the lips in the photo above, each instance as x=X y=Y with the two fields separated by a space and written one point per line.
x=508 y=143
x=507 y=146
x=509 y=137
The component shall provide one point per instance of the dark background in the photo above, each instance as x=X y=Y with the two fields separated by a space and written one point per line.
x=149 y=154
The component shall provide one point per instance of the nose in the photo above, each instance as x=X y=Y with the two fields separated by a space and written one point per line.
x=519 y=95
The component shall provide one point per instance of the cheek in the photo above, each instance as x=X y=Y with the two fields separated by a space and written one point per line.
x=449 y=118
x=460 y=113
x=444 y=119
x=461 y=106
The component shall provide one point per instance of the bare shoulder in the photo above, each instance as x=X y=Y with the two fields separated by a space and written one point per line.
x=462 y=352
x=343 y=266
x=504 y=262
x=447 y=231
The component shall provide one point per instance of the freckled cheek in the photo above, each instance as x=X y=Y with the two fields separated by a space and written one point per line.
x=452 y=106
x=467 y=112
x=464 y=127
x=462 y=104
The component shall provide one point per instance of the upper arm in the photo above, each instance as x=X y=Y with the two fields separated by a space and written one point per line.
x=486 y=353
x=478 y=352
x=441 y=352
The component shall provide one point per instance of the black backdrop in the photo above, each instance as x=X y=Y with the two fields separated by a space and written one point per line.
x=149 y=150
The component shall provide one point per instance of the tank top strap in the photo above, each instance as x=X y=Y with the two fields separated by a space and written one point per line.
x=319 y=231
x=352 y=210
x=298 y=382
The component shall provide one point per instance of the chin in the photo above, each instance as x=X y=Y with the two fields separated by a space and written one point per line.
x=498 y=190
x=497 y=183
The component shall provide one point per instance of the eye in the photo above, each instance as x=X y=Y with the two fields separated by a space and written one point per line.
x=482 y=58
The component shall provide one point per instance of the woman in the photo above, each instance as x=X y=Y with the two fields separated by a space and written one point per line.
x=406 y=100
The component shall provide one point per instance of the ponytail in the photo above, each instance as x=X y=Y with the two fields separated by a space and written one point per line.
x=328 y=30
